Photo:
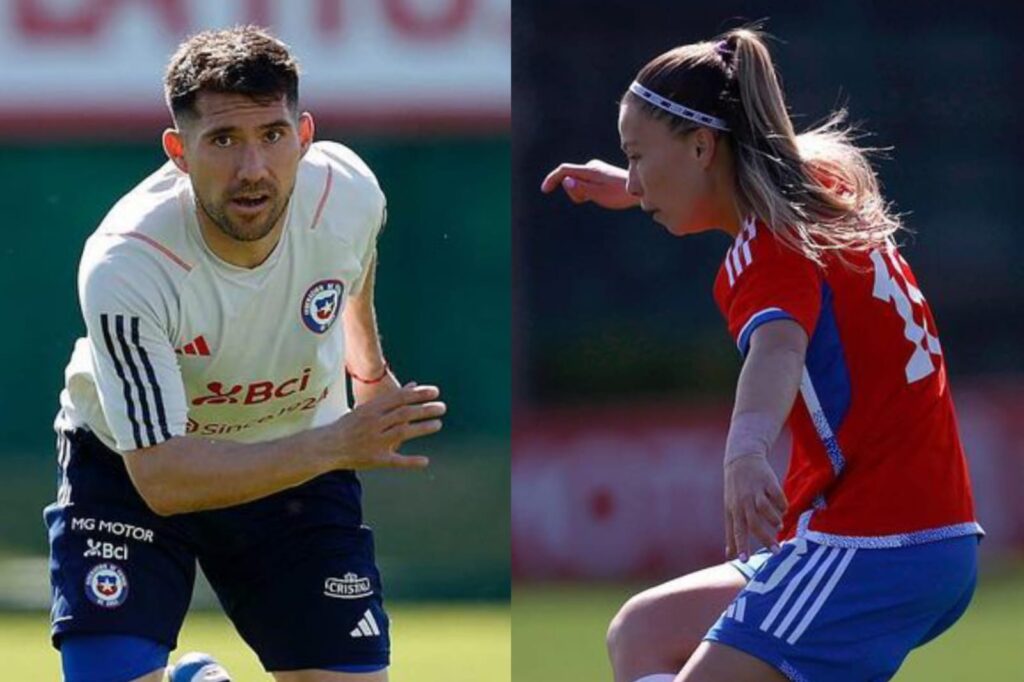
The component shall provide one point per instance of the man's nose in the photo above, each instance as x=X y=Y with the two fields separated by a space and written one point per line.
x=253 y=164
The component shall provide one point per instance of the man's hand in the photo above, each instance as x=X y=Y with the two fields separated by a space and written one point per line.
x=754 y=505
x=369 y=436
x=596 y=181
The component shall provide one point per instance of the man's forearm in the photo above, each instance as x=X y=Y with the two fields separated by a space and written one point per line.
x=187 y=474
x=363 y=353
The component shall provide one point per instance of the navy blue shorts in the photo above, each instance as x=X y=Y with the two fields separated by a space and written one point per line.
x=295 y=571
x=847 y=615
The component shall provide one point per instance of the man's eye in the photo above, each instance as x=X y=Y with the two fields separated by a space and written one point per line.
x=274 y=135
x=221 y=141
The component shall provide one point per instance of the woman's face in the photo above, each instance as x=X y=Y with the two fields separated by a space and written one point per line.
x=668 y=171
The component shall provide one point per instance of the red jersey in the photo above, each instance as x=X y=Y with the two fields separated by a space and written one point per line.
x=877 y=459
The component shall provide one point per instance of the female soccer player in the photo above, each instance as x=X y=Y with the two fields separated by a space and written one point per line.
x=871 y=544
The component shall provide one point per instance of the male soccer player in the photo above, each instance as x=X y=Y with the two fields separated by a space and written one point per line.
x=205 y=414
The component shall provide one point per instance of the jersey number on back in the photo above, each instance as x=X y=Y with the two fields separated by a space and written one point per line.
x=888 y=289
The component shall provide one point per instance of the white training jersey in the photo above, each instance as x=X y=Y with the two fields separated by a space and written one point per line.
x=181 y=342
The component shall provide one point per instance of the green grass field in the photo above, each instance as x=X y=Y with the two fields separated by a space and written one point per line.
x=558 y=636
x=430 y=642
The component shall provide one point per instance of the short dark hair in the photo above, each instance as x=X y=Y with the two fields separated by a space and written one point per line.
x=244 y=60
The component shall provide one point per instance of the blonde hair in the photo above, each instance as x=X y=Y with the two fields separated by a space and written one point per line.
x=816 y=190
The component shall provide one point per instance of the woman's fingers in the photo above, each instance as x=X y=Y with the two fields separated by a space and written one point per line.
x=761 y=527
x=730 y=539
x=777 y=497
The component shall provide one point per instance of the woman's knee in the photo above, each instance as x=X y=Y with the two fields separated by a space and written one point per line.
x=660 y=628
x=632 y=635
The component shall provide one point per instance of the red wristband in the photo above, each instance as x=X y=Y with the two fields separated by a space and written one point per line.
x=387 y=368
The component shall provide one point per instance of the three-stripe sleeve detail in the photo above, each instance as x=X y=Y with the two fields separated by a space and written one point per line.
x=132 y=383
x=139 y=386
x=739 y=256
x=129 y=403
x=158 y=398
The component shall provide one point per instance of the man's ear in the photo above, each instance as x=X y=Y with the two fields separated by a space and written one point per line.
x=174 y=147
x=307 y=129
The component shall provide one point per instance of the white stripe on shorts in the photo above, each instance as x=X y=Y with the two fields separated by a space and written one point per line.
x=788 y=592
x=808 y=591
x=816 y=606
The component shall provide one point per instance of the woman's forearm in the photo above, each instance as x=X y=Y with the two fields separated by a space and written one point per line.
x=767 y=388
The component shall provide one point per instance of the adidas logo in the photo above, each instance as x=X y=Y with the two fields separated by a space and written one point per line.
x=196 y=346
x=367 y=626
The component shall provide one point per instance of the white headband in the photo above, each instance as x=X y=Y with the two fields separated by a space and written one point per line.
x=677 y=109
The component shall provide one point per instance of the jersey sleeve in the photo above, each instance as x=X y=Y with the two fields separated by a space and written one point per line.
x=370 y=248
x=136 y=373
x=767 y=281
x=358 y=197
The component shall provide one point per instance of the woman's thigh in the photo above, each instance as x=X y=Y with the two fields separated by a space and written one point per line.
x=657 y=630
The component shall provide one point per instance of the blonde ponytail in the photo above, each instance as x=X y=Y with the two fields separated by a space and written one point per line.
x=816 y=190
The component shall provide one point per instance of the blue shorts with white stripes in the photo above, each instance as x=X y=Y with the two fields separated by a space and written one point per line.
x=831 y=614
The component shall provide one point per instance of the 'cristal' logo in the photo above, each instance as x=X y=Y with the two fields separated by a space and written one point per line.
x=351 y=586
x=253 y=393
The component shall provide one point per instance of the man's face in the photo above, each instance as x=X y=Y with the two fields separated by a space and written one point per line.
x=242 y=156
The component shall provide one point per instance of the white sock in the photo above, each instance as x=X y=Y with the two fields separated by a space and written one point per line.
x=660 y=677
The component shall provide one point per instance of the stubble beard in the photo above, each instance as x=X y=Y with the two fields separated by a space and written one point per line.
x=247 y=232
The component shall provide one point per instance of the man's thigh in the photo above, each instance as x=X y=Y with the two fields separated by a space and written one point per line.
x=116 y=568
x=306 y=593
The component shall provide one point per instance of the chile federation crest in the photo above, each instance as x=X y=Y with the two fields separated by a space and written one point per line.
x=106 y=586
x=321 y=305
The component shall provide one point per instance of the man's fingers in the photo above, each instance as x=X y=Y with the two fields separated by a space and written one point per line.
x=409 y=394
x=407 y=431
x=414 y=413
x=399 y=461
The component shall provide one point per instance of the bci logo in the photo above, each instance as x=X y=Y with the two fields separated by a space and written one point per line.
x=252 y=393
x=105 y=550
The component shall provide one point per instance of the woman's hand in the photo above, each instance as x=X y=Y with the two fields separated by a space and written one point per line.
x=596 y=181
x=754 y=505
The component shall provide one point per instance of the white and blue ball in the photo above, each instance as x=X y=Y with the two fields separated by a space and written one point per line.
x=197 y=667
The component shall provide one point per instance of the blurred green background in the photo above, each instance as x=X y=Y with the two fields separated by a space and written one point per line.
x=443 y=309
